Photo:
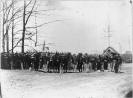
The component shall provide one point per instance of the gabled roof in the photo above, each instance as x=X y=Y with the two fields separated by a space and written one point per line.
x=31 y=49
x=110 y=48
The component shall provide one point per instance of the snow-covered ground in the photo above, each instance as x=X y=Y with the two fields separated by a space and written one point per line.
x=31 y=84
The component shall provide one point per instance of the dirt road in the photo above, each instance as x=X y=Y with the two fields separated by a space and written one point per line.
x=31 y=84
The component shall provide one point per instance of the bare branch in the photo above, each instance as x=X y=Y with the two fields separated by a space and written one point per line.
x=17 y=43
x=46 y=23
x=30 y=13
x=28 y=3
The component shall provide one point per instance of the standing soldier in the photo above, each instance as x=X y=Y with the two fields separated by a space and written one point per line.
x=12 y=61
x=114 y=61
x=6 y=57
x=95 y=63
x=102 y=63
x=80 y=63
x=29 y=62
x=2 y=61
x=99 y=63
x=66 y=62
x=120 y=63
x=111 y=62
x=45 y=62
x=86 y=63
x=116 y=67
x=49 y=62
x=37 y=60
x=58 y=63
x=26 y=61
x=41 y=61
x=105 y=63
x=90 y=62
x=32 y=61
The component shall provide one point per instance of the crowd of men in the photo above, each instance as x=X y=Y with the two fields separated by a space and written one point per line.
x=61 y=62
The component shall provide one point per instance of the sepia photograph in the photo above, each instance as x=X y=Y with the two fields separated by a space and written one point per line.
x=66 y=48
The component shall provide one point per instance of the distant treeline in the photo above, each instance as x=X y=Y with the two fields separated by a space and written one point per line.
x=127 y=58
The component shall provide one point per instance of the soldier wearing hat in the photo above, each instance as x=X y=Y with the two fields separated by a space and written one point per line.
x=105 y=63
x=99 y=63
x=116 y=66
x=120 y=62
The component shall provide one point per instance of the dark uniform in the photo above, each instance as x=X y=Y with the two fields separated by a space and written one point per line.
x=29 y=61
x=36 y=62
x=105 y=63
x=80 y=63
x=66 y=63
x=58 y=63
x=116 y=67
x=7 y=62
x=26 y=61
x=49 y=60
x=99 y=63
x=2 y=61
x=32 y=61
x=95 y=63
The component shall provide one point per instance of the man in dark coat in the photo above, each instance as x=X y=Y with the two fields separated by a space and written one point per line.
x=58 y=63
x=99 y=63
x=36 y=61
x=26 y=61
x=2 y=61
x=116 y=66
x=12 y=60
x=29 y=61
x=49 y=62
x=6 y=57
x=120 y=62
x=95 y=63
x=66 y=62
x=80 y=63
x=105 y=63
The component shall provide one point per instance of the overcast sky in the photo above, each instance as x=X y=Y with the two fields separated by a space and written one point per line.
x=84 y=26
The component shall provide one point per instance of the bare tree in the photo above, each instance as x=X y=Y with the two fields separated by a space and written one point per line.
x=108 y=32
x=25 y=21
x=8 y=21
x=19 y=15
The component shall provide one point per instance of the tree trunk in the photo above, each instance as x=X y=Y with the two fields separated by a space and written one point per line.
x=23 y=34
x=7 y=42
x=12 y=27
x=7 y=36
x=3 y=39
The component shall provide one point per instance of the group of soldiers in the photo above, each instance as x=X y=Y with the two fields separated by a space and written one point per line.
x=61 y=62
